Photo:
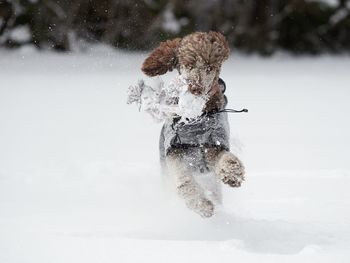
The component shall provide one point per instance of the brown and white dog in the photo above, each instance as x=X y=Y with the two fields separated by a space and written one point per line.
x=198 y=58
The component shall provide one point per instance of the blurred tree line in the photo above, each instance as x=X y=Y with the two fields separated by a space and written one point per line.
x=264 y=26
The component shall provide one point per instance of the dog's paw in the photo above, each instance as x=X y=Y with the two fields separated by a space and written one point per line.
x=203 y=207
x=206 y=208
x=195 y=200
x=230 y=170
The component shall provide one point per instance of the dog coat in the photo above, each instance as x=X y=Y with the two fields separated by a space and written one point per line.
x=209 y=130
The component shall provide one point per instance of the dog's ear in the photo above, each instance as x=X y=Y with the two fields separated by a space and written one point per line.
x=162 y=59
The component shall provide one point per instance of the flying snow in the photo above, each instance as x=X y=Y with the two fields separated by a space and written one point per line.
x=167 y=101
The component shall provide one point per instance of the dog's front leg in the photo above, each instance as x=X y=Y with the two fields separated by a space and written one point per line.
x=229 y=169
x=187 y=187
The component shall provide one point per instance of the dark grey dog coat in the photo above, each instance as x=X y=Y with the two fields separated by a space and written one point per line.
x=209 y=130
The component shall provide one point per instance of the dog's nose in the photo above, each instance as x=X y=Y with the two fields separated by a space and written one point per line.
x=195 y=89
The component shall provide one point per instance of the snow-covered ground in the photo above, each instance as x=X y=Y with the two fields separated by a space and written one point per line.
x=80 y=180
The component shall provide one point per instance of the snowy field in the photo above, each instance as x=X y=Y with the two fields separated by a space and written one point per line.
x=80 y=179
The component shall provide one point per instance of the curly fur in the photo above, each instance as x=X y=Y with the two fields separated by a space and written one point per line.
x=209 y=49
x=188 y=188
x=162 y=59
x=198 y=57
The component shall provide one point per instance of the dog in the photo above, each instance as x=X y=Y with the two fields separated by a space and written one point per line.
x=201 y=145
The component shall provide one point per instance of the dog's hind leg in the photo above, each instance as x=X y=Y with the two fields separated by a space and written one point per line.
x=187 y=187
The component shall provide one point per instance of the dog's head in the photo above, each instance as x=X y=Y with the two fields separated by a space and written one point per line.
x=198 y=58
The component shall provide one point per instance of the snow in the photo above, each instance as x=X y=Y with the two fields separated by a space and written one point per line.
x=339 y=16
x=170 y=23
x=332 y=3
x=191 y=106
x=20 y=34
x=80 y=178
x=165 y=101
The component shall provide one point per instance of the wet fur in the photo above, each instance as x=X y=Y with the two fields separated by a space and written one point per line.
x=199 y=57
